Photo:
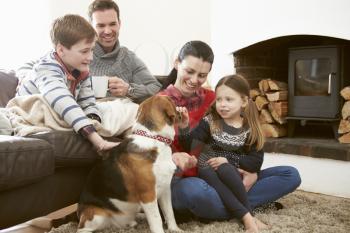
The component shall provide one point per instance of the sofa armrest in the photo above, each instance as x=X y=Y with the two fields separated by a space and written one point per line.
x=8 y=85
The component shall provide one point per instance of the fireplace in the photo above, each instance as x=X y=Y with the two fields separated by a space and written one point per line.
x=315 y=69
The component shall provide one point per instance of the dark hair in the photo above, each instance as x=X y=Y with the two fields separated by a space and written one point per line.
x=250 y=113
x=70 y=29
x=195 y=48
x=101 y=5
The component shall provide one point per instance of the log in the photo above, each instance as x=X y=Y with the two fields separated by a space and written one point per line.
x=261 y=102
x=265 y=117
x=274 y=131
x=345 y=112
x=344 y=127
x=278 y=95
x=264 y=86
x=279 y=111
x=253 y=93
x=345 y=138
x=277 y=85
x=280 y=107
x=345 y=93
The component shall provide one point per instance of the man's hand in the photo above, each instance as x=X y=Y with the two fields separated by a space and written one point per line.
x=184 y=161
x=117 y=86
x=216 y=162
x=249 y=179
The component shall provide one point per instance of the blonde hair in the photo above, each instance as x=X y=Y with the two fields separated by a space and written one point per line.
x=250 y=113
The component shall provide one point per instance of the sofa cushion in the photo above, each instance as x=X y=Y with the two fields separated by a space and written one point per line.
x=8 y=84
x=69 y=148
x=24 y=161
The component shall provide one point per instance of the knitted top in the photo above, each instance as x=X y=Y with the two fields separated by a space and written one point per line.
x=197 y=105
x=230 y=144
x=124 y=64
x=69 y=94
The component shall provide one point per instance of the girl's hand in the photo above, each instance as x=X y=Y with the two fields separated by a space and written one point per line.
x=216 y=162
x=249 y=179
x=184 y=118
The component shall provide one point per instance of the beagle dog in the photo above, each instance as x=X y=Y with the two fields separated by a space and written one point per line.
x=136 y=174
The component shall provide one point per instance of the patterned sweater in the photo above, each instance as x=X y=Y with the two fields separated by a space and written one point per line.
x=230 y=144
x=69 y=94
x=123 y=63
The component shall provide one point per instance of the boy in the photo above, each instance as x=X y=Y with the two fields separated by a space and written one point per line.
x=62 y=77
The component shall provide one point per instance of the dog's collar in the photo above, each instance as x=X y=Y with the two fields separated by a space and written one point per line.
x=167 y=141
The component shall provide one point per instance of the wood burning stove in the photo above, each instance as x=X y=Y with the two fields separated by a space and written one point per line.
x=315 y=78
x=314 y=82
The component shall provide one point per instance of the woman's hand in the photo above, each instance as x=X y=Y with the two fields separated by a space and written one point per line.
x=216 y=162
x=184 y=161
x=249 y=179
x=184 y=118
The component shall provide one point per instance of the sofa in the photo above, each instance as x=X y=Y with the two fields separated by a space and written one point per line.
x=40 y=173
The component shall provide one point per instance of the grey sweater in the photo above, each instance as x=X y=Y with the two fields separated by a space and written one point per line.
x=124 y=64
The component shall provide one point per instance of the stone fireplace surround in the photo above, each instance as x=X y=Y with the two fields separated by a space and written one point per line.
x=269 y=59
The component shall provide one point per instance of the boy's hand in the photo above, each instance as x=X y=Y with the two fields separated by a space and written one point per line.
x=99 y=143
x=184 y=118
x=117 y=86
x=106 y=145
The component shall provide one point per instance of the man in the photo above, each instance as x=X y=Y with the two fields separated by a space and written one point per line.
x=128 y=74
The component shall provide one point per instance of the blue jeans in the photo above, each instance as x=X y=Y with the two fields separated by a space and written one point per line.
x=195 y=195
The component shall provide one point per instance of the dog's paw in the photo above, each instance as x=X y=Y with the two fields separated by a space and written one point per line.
x=176 y=229
x=132 y=224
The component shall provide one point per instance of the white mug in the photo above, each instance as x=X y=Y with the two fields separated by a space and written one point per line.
x=100 y=86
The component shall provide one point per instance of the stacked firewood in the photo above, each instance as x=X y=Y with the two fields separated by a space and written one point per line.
x=271 y=100
x=344 y=126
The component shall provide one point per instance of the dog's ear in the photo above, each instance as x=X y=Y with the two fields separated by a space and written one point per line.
x=170 y=112
x=142 y=112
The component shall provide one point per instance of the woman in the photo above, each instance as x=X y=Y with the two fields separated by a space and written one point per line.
x=191 y=194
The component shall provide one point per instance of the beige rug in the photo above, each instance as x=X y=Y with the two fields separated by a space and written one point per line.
x=303 y=213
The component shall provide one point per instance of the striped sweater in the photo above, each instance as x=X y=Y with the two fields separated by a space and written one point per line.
x=69 y=94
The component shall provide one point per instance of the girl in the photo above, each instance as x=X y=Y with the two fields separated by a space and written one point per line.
x=234 y=139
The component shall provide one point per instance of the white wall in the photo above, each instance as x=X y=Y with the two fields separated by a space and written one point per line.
x=236 y=24
x=156 y=29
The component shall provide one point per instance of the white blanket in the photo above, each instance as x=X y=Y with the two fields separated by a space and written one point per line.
x=32 y=114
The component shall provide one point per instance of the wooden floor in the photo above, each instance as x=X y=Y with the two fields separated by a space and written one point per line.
x=28 y=228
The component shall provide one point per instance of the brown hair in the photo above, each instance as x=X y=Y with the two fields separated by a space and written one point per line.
x=70 y=29
x=250 y=113
x=101 y=5
x=195 y=48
